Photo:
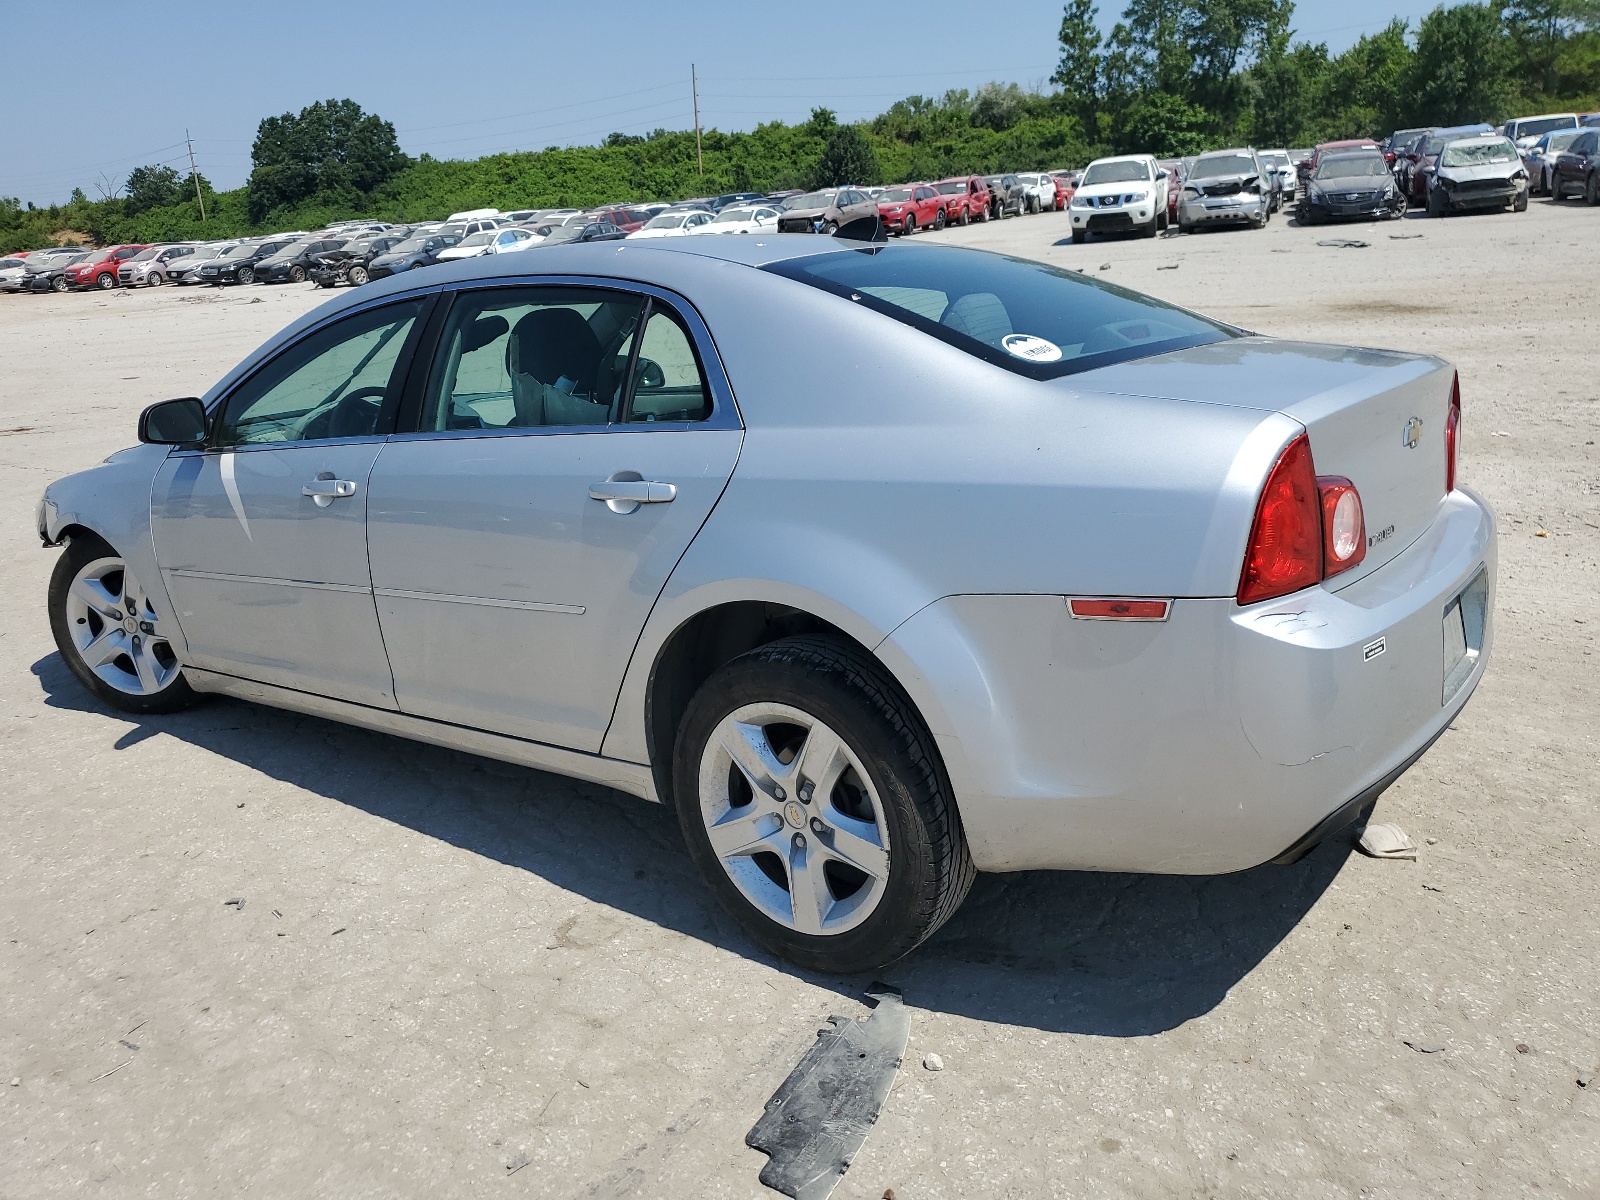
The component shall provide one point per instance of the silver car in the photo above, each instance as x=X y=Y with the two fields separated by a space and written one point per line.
x=1226 y=187
x=982 y=565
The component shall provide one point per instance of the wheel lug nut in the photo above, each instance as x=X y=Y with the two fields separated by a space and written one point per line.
x=817 y=826
x=799 y=841
x=807 y=790
x=779 y=793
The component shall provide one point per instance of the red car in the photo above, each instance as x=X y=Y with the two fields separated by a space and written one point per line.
x=625 y=219
x=966 y=198
x=99 y=270
x=1066 y=184
x=910 y=207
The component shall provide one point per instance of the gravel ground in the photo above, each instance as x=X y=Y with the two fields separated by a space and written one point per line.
x=444 y=967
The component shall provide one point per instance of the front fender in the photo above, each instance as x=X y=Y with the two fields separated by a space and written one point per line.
x=112 y=501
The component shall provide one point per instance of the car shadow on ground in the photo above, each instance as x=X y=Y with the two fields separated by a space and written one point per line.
x=1110 y=955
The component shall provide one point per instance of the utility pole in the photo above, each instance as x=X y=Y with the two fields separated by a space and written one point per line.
x=194 y=173
x=694 y=83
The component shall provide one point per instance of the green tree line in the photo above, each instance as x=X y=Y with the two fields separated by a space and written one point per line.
x=1172 y=77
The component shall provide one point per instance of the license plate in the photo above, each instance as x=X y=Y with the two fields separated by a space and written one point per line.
x=1463 y=634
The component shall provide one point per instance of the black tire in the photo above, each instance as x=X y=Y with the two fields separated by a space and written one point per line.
x=80 y=552
x=1184 y=226
x=247 y=275
x=357 y=275
x=1150 y=230
x=105 y=281
x=965 y=217
x=829 y=228
x=1591 y=191
x=154 y=279
x=297 y=274
x=908 y=227
x=1520 y=204
x=938 y=220
x=1555 y=187
x=930 y=870
x=1436 y=203
x=1080 y=236
x=58 y=284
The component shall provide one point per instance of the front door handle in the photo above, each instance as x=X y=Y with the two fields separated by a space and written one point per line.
x=324 y=492
x=625 y=495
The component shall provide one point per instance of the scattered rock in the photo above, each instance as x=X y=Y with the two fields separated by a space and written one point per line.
x=1585 y=1078
x=1432 y=887
x=1522 y=1048
x=933 y=1063
x=1386 y=841
x=1542 y=533
x=1344 y=243
x=1432 y=841
x=1168 y=267
x=1105 y=266
x=16 y=1081
x=521 y=1160
x=1426 y=1047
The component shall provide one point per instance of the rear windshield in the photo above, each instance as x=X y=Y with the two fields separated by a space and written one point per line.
x=1538 y=125
x=1036 y=320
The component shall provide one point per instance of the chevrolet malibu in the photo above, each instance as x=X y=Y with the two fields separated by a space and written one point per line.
x=1023 y=570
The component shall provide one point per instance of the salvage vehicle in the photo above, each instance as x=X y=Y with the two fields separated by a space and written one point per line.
x=966 y=198
x=48 y=272
x=740 y=218
x=99 y=270
x=1424 y=160
x=825 y=211
x=1482 y=171
x=915 y=206
x=1027 y=571
x=419 y=250
x=239 y=264
x=186 y=269
x=348 y=263
x=1126 y=194
x=293 y=263
x=1277 y=161
x=1577 y=169
x=1226 y=187
x=673 y=223
x=1540 y=158
x=149 y=267
x=592 y=231
x=13 y=274
x=1307 y=166
x=1353 y=185
x=1524 y=131
x=1039 y=192
x=1007 y=196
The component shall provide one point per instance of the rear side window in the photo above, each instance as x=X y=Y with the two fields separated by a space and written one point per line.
x=1027 y=317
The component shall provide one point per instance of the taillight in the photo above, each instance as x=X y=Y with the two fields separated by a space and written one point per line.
x=1344 y=528
x=1285 y=550
x=1452 y=435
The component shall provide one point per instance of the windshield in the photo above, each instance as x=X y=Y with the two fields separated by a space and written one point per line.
x=482 y=238
x=894 y=195
x=810 y=200
x=1215 y=166
x=565 y=233
x=1478 y=154
x=1116 y=172
x=1538 y=125
x=244 y=250
x=1556 y=142
x=412 y=245
x=144 y=255
x=734 y=216
x=98 y=256
x=666 y=221
x=1275 y=160
x=1036 y=320
x=1351 y=166
x=950 y=189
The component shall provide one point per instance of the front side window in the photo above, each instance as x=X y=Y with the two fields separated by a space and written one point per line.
x=342 y=381
x=1027 y=317
x=530 y=358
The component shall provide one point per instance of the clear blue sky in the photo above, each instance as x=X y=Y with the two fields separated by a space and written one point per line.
x=103 y=86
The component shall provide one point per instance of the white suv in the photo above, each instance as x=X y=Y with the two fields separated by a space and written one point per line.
x=1126 y=194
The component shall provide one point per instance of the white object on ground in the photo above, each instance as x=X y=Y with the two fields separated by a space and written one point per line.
x=1387 y=841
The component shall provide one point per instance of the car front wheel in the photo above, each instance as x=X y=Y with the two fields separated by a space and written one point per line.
x=247 y=275
x=105 y=281
x=109 y=633
x=812 y=800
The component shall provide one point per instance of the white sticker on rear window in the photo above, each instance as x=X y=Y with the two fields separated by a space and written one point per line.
x=1033 y=349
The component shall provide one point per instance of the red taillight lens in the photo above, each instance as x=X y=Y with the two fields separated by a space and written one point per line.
x=1344 y=527
x=1285 y=550
x=1452 y=435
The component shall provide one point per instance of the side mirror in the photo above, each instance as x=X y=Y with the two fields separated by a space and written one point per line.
x=174 y=423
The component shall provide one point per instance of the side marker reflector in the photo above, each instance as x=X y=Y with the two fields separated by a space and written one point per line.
x=1119 y=610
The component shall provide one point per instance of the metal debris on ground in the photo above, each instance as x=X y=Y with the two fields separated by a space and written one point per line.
x=127 y=1043
x=236 y=903
x=1345 y=243
x=1426 y=1047
x=517 y=1163
x=1168 y=267
x=1403 y=237
x=819 y=1117
x=1105 y=266
x=1386 y=841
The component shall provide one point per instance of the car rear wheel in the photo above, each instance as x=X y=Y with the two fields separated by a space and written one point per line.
x=357 y=275
x=109 y=633
x=247 y=275
x=812 y=800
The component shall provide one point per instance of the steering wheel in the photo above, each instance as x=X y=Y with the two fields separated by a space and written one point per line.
x=352 y=415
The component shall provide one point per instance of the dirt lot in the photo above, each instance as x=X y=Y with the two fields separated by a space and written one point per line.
x=444 y=965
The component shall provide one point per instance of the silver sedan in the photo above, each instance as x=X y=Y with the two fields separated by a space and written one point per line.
x=882 y=565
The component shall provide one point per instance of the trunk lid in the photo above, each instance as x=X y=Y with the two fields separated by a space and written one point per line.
x=1375 y=417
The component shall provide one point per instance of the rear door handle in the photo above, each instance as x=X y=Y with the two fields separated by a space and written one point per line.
x=324 y=492
x=625 y=495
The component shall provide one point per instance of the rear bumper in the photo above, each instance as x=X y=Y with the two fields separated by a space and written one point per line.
x=1217 y=740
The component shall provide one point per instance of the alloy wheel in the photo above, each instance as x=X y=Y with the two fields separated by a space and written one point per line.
x=116 y=632
x=794 y=819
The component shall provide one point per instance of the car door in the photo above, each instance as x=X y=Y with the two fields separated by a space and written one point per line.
x=261 y=535
x=521 y=534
